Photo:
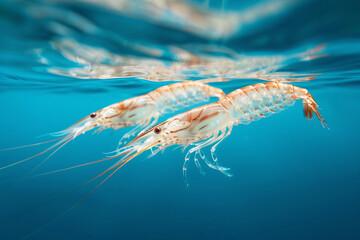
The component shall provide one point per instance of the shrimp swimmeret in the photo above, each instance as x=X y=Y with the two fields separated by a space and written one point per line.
x=141 y=112
x=211 y=123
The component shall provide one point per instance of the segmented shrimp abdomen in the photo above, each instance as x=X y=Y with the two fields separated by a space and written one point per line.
x=260 y=100
x=185 y=93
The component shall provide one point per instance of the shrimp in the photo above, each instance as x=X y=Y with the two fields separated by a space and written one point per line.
x=212 y=123
x=141 y=112
x=144 y=111
x=208 y=125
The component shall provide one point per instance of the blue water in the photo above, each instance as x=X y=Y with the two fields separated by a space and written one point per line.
x=292 y=178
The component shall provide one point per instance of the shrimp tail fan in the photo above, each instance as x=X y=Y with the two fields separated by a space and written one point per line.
x=310 y=107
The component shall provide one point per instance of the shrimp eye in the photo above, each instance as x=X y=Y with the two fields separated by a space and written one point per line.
x=93 y=115
x=157 y=130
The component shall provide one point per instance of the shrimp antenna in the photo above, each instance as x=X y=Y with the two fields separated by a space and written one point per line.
x=36 y=155
x=64 y=140
x=118 y=165
x=18 y=181
x=31 y=145
x=61 y=170
x=52 y=140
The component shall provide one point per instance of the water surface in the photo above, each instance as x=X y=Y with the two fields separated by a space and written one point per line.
x=293 y=179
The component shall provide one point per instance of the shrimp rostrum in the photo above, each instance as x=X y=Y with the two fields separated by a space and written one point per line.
x=139 y=112
x=210 y=124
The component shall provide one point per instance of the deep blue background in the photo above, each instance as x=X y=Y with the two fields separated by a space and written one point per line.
x=292 y=179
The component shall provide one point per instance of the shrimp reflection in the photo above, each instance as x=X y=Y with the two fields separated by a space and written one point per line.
x=101 y=64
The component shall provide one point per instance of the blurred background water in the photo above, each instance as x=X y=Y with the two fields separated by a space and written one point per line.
x=61 y=60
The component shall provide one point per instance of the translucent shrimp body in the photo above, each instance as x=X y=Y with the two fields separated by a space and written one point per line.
x=182 y=94
x=141 y=112
x=261 y=100
x=144 y=111
x=210 y=124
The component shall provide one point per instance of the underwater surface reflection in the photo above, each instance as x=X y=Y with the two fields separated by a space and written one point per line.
x=62 y=61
